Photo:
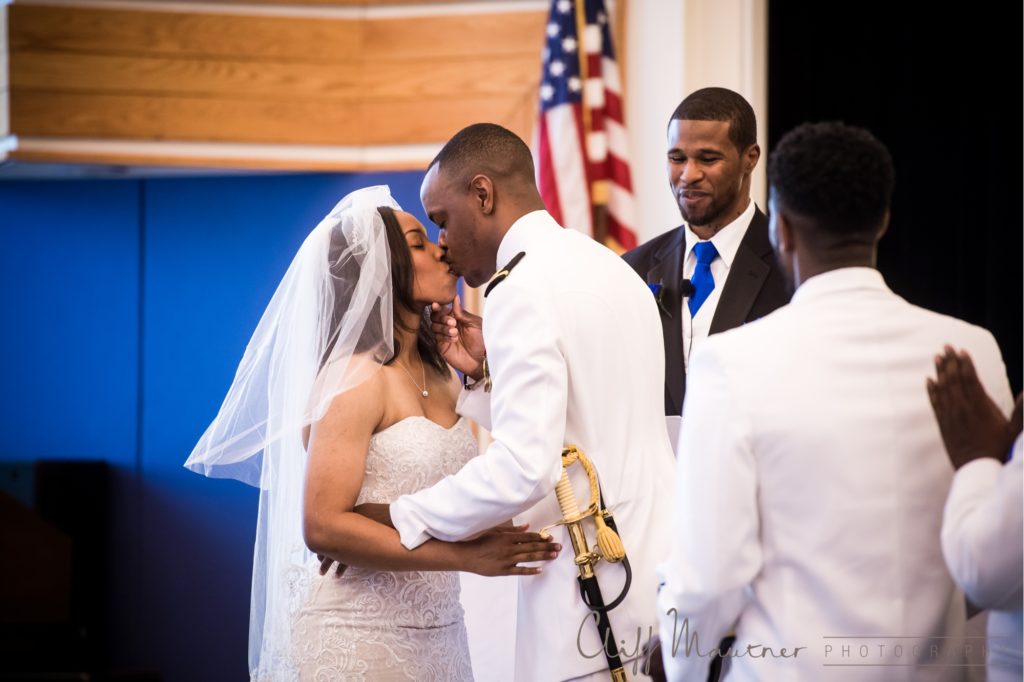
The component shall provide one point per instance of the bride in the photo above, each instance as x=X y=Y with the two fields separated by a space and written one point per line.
x=342 y=398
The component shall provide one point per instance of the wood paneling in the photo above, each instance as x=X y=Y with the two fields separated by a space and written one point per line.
x=101 y=31
x=193 y=77
x=161 y=75
x=138 y=117
x=310 y=40
x=467 y=37
x=344 y=3
x=4 y=93
x=111 y=155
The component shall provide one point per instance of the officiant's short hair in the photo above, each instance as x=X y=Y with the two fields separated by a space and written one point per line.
x=488 y=149
x=721 y=104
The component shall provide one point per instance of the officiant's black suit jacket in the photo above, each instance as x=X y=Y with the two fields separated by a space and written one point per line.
x=755 y=287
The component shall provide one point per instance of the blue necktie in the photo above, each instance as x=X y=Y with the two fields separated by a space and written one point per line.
x=703 y=282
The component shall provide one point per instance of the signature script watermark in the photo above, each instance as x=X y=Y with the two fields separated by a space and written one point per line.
x=682 y=637
x=840 y=651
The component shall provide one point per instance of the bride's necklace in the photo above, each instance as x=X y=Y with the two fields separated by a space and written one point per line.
x=423 y=389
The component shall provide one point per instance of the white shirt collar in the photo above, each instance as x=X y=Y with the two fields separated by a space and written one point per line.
x=841 y=279
x=727 y=240
x=522 y=234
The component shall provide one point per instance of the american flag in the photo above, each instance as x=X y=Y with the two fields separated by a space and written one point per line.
x=582 y=153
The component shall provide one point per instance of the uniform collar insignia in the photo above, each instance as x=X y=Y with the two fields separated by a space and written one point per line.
x=500 y=275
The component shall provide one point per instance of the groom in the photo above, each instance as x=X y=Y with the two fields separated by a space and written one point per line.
x=573 y=355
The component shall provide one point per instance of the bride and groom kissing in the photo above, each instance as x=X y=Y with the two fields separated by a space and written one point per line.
x=346 y=414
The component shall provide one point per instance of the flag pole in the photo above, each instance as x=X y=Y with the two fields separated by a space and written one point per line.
x=598 y=188
x=581 y=50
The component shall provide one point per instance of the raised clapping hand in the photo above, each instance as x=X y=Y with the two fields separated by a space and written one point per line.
x=972 y=425
x=460 y=337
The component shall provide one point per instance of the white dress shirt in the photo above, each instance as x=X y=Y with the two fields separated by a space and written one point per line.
x=983 y=543
x=727 y=243
x=576 y=355
x=809 y=492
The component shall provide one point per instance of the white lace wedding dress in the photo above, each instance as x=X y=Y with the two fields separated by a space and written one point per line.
x=381 y=625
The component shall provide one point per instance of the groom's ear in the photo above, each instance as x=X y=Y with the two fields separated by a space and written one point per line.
x=482 y=189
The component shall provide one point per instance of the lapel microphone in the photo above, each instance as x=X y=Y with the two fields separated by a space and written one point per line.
x=686 y=288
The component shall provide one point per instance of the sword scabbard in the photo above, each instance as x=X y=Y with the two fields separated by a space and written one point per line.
x=585 y=560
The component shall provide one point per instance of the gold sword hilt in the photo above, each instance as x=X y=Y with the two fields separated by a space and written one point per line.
x=609 y=545
x=573 y=521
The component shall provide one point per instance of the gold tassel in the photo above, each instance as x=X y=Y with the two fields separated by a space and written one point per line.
x=608 y=541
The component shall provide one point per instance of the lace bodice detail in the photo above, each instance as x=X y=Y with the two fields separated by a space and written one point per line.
x=391 y=625
x=411 y=455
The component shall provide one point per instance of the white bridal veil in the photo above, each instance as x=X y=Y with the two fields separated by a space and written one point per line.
x=327 y=328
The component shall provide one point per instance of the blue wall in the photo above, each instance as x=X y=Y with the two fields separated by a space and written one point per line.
x=126 y=306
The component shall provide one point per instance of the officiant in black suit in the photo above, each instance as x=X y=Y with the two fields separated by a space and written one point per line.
x=716 y=271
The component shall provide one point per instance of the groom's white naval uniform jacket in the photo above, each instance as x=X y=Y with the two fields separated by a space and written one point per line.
x=574 y=347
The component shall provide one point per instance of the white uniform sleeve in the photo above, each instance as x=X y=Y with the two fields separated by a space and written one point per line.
x=983 y=531
x=715 y=548
x=528 y=407
x=475 y=405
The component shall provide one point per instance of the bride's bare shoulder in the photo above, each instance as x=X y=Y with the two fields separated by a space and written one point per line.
x=358 y=403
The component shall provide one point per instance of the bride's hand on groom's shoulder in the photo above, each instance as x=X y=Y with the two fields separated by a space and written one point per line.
x=499 y=550
x=460 y=337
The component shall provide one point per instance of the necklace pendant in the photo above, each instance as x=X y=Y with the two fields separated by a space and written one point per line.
x=426 y=394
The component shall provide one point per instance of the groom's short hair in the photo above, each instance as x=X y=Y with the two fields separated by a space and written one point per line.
x=485 y=149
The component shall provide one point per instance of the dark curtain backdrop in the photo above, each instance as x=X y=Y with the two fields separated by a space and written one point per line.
x=943 y=89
